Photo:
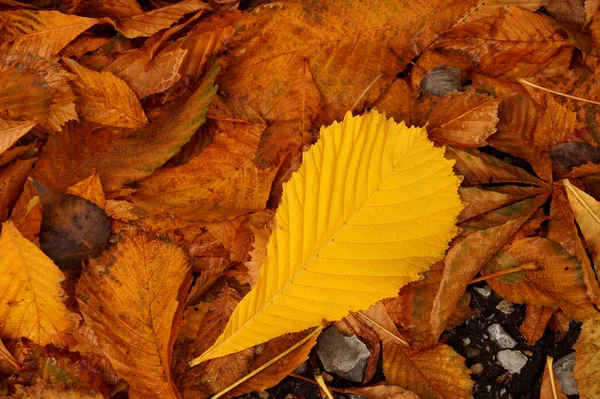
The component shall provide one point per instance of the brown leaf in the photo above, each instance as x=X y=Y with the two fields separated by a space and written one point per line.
x=11 y=131
x=221 y=182
x=557 y=281
x=119 y=155
x=349 y=63
x=72 y=229
x=489 y=7
x=43 y=33
x=105 y=99
x=32 y=88
x=84 y=43
x=510 y=43
x=536 y=320
x=441 y=80
x=12 y=180
x=395 y=101
x=383 y=392
x=131 y=297
x=587 y=367
x=556 y=125
x=112 y=8
x=49 y=391
x=480 y=201
x=14 y=153
x=152 y=21
x=464 y=119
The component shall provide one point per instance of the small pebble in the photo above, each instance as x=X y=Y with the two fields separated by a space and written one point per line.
x=264 y=394
x=466 y=341
x=564 y=371
x=476 y=368
x=501 y=337
x=471 y=352
x=484 y=291
x=528 y=353
x=505 y=307
x=512 y=361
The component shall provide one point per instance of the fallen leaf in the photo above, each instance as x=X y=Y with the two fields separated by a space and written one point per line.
x=11 y=131
x=72 y=229
x=32 y=302
x=351 y=55
x=12 y=180
x=32 y=88
x=122 y=156
x=161 y=18
x=587 y=367
x=130 y=297
x=84 y=43
x=438 y=373
x=90 y=189
x=489 y=7
x=395 y=101
x=441 y=80
x=536 y=320
x=47 y=391
x=112 y=8
x=567 y=156
x=383 y=392
x=557 y=281
x=556 y=125
x=221 y=182
x=510 y=43
x=43 y=33
x=105 y=99
x=409 y=169
x=464 y=119
x=8 y=364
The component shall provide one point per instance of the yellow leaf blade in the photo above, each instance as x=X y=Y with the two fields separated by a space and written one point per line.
x=354 y=225
x=31 y=304
x=587 y=214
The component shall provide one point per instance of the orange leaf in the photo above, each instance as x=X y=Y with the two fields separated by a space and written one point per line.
x=383 y=392
x=32 y=88
x=536 y=320
x=511 y=43
x=130 y=297
x=152 y=21
x=12 y=180
x=120 y=156
x=557 y=281
x=465 y=119
x=106 y=99
x=8 y=364
x=221 y=182
x=587 y=359
x=90 y=189
x=480 y=201
x=11 y=131
x=43 y=33
x=556 y=125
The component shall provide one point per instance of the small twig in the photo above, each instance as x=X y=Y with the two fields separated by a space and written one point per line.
x=270 y=362
x=549 y=361
x=558 y=93
x=523 y=267
x=323 y=386
x=300 y=377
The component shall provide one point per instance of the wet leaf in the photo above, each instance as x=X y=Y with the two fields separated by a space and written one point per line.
x=73 y=228
x=536 y=320
x=441 y=80
x=130 y=297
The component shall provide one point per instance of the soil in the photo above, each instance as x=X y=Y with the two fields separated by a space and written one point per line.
x=493 y=382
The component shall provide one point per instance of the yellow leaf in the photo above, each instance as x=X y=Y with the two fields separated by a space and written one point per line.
x=31 y=303
x=106 y=99
x=130 y=297
x=11 y=131
x=372 y=206
x=587 y=359
x=587 y=214
x=44 y=33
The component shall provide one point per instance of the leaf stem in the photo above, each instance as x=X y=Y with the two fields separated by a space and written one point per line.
x=524 y=267
x=270 y=362
x=323 y=386
x=551 y=373
x=558 y=93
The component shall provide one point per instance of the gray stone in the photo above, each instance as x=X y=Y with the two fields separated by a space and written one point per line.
x=505 y=307
x=301 y=369
x=471 y=351
x=344 y=356
x=484 y=291
x=501 y=337
x=564 y=371
x=512 y=361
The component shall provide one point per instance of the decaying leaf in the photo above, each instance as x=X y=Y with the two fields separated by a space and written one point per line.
x=11 y=131
x=536 y=320
x=31 y=305
x=587 y=360
x=106 y=99
x=72 y=229
x=383 y=392
x=130 y=296
x=122 y=156
x=441 y=80
x=351 y=246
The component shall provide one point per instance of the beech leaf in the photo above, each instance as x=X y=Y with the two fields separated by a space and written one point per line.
x=11 y=131
x=394 y=217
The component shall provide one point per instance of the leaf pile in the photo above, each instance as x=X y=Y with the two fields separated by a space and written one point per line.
x=192 y=125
